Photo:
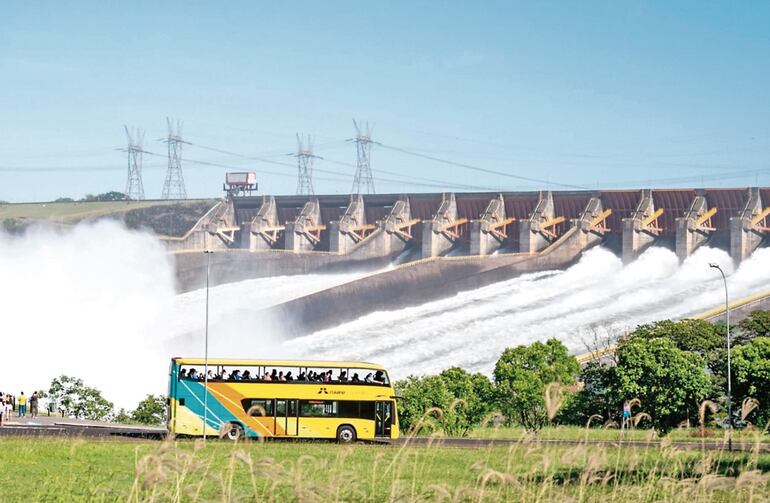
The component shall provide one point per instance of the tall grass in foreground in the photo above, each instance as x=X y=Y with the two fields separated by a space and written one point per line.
x=526 y=471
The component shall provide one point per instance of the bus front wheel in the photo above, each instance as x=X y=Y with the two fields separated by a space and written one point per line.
x=233 y=431
x=346 y=434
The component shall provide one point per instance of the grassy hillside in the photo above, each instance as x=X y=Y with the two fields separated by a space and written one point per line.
x=169 y=218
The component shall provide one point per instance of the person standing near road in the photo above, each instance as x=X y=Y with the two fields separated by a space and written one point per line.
x=33 y=404
x=22 y=405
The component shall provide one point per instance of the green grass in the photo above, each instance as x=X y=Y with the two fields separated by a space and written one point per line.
x=70 y=212
x=39 y=469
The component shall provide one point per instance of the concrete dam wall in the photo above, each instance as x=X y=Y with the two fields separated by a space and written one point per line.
x=279 y=235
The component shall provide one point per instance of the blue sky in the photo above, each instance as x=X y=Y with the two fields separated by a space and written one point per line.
x=589 y=94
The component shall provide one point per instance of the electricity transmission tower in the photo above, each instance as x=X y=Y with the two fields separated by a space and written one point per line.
x=305 y=159
x=173 y=186
x=363 y=141
x=134 y=186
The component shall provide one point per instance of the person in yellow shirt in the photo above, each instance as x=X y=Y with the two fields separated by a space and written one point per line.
x=22 y=405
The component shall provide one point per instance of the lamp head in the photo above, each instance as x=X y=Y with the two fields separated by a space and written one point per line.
x=714 y=266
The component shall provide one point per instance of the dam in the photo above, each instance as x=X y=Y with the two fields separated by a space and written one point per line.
x=437 y=245
x=133 y=279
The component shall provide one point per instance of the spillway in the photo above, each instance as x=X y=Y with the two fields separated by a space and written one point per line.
x=598 y=295
x=99 y=302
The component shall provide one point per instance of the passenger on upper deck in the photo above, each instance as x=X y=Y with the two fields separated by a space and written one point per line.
x=274 y=375
x=343 y=377
x=267 y=377
x=225 y=376
x=355 y=378
x=368 y=378
x=210 y=375
x=183 y=374
x=236 y=375
x=193 y=374
x=327 y=376
x=379 y=377
x=246 y=375
x=288 y=376
x=302 y=376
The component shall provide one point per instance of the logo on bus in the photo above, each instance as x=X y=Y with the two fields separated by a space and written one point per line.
x=325 y=391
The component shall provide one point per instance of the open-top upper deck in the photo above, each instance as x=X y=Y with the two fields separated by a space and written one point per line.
x=278 y=363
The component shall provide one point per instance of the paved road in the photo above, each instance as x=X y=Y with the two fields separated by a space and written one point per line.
x=66 y=427
x=53 y=426
x=476 y=443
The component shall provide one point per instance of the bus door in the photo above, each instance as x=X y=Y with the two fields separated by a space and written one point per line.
x=285 y=417
x=383 y=418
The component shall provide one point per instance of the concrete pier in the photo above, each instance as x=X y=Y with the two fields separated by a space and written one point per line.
x=641 y=229
x=351 y=228
x=535 y=233
x=694 y=228
x=749 y=228
x=304 y=233
x=490 y=231
x=261 y=233
x=441 y=232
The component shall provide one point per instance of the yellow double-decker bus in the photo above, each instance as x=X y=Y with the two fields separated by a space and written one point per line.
x=281 y=398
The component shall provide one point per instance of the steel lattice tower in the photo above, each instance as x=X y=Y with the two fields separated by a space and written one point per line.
x=134 y=186
x=173 y=186
x=363 y=141
x=305 y=159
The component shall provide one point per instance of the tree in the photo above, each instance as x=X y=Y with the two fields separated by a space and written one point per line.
x=669 y=382
x=418 y=395
x=79 y=400
x=757 y=324
x=64 y=200
x=465 y=401
x=751 y=366
x=151 y=410
x=106 y=196
x=696 y=336
x=522 y=374
x=597 y=397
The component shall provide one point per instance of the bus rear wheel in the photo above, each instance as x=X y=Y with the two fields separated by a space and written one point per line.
x=346 y=434
x=233 y=431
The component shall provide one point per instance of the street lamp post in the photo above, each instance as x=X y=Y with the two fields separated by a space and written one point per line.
x=206 y=350
x=729 y=370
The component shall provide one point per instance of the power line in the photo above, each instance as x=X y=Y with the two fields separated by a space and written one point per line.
x=477 y=168
x=363 y=176
x=173 y=186
x=305 y=160
x=134 y=186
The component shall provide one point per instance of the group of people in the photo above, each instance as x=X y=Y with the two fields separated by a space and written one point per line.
x=377 y=377
x=10 y=403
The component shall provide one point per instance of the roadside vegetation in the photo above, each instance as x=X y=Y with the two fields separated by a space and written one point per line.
x=673 y=375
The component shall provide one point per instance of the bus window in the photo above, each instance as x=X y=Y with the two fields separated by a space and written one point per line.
x=258 y=407
x=367 y=410
x=348 y=409
x=317 y=408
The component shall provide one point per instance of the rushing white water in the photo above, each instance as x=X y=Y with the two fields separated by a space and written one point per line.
x=98 y=302
x=472 y=328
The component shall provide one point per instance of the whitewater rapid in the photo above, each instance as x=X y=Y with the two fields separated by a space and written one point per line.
x=98 y=302
x=598 y=296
